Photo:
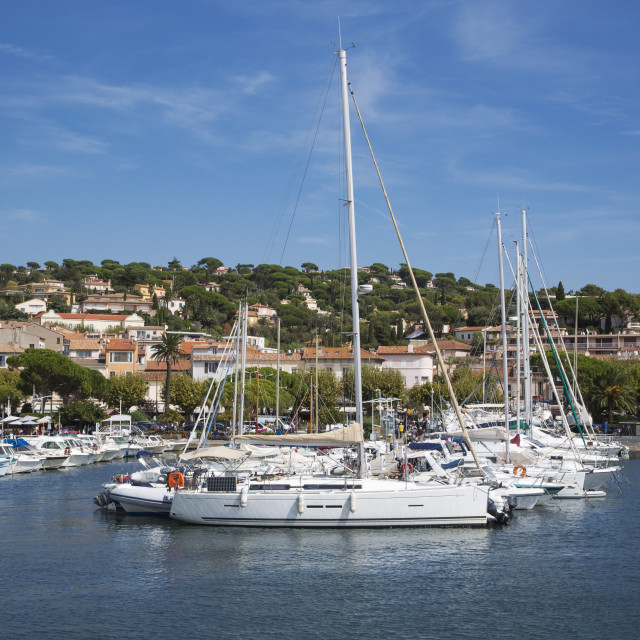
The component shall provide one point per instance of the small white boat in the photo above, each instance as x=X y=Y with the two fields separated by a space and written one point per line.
x=21 y=462
x=52 y=458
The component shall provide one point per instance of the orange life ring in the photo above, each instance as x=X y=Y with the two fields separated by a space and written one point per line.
x=95 y=447
x=520 y=467
x=409 y=467
x=175 y=479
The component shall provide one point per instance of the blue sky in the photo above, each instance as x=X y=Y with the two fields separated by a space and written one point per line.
x=140 y=131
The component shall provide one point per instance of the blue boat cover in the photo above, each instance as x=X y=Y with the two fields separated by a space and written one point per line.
x=19 y=442
x=452 y=464
x=426 y=446
x=142 y=452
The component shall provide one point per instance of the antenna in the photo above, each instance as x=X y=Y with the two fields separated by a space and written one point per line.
x=339 y=35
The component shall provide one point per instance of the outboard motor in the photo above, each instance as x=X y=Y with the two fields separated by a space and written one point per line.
x=102 y=499
x=499 y=516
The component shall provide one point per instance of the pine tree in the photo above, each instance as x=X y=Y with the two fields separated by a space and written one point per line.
x=560 y=291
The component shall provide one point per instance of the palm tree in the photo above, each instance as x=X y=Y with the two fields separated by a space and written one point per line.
x=169 y=350
x=613 y=392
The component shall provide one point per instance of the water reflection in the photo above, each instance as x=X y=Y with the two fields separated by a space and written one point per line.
x=553 y=572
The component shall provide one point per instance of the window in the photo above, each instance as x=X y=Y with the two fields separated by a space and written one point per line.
x=83 y=353
x=120 y=356
x=3 y=361
x=210 y=367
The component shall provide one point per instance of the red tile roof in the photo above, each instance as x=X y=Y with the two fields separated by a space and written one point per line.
x=404 y=350
x=309 y=353
x=120 y=344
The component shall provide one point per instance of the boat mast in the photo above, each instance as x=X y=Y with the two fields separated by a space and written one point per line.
x=278 y=379
x=355 y=310
x=519 y=283
x=505 y=346
x=243 y=364
x=528 y=416
x=236 y=372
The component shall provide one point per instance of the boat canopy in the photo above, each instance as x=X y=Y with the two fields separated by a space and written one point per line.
x=225 y=453
x=336 y=438
x=483 y=433
x=118 y=417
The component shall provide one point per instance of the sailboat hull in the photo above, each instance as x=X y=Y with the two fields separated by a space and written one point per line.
x=409 y=506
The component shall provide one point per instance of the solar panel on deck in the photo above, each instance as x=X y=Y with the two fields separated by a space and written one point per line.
x=225 y=484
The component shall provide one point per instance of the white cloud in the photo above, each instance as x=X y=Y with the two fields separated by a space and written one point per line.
x=23 y=53
x=24 y=215
x=26 y=172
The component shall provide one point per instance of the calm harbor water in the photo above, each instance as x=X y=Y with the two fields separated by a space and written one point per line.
x=72 y=571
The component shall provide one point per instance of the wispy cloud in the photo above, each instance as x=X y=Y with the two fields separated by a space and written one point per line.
x=24 y=215
x=25 y=172
x=517 y=179
x=501 y=33
x=20 y=52
x=59 y=137
x=194 y=108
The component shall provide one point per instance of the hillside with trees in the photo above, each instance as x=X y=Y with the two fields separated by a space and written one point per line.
x=386 y=314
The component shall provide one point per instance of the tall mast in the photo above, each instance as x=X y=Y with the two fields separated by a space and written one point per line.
x=278 y=379
x=505 y=346
x=519 y=284
x=236 y=367
x=525 y=325
x=355 y=310
x=243 y=364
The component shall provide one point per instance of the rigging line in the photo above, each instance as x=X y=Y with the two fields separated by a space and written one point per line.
x=418 y=294
x=306 y=168
x=281 y=212
x=484 y=253
x=536 y=251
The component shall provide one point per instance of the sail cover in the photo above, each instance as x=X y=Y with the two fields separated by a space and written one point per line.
x=337 y=438
x=225 y=453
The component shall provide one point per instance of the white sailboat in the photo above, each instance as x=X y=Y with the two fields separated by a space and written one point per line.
x=324 y=501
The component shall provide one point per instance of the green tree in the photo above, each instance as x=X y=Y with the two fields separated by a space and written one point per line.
x=82 y=412
x=389 y=382
x=132 y=390
x=34 y=266
x=560 y=291
x=51 y=372
x=169 y=351
x=10 y=395
x=309 y=266
x=210 y=264
x=186 y=393
x=329 y=391
x=614 y=393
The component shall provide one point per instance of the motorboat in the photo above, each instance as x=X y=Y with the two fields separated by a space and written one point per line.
x=52 y=458
x=21 y=462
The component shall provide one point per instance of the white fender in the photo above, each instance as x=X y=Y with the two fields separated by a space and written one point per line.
x=244 y=496
x=353 y=502
x=300 y=504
